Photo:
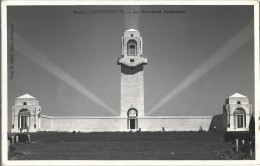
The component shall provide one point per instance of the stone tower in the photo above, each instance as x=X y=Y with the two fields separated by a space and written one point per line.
x=132 y=77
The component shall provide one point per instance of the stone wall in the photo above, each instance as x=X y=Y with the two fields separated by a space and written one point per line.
x=84 y=124
x=175 y=123
x=89 y=124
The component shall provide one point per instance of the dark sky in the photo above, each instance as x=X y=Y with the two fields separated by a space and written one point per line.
x=74 y=56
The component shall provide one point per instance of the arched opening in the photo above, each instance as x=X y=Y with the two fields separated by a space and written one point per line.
x=240 y=118
x=131 y=48
x=24 y=119
x=132 y=119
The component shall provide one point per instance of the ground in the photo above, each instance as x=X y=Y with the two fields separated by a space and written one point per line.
x=123 y=146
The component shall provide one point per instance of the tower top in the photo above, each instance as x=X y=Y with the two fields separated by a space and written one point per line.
x=132 y=33
x=132 y=49
x=131 y=30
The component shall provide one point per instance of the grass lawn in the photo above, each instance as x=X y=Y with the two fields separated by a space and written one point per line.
x=122 y=146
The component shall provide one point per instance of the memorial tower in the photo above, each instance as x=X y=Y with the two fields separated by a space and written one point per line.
x=132 y=77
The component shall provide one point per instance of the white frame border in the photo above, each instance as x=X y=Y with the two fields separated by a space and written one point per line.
x=4 y=79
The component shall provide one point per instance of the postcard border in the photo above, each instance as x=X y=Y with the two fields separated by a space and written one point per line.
x=4 y=80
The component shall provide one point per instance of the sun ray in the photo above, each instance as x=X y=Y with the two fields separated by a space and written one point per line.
x=29 y=51
x=229 y=48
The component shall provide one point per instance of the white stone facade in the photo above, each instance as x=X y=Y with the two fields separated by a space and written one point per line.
x=236 y=117
x=26 y=114
x=27 y=117
x=237 y=113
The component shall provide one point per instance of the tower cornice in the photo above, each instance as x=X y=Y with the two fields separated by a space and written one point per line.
x=132 y=61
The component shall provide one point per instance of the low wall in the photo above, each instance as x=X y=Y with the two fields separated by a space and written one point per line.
x=85 y=124
x=89 y=124
x=175 y=123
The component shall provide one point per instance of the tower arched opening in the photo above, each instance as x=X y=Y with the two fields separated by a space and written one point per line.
x=132 y=122
x=131 y=48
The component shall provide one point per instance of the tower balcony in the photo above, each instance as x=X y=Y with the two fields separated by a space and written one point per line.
x=132 y=61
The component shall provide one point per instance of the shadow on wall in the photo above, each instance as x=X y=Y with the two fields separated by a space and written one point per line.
x=131 y=70
x=216 y=124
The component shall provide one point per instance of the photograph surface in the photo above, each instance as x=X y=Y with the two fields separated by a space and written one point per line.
x=130 y=82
